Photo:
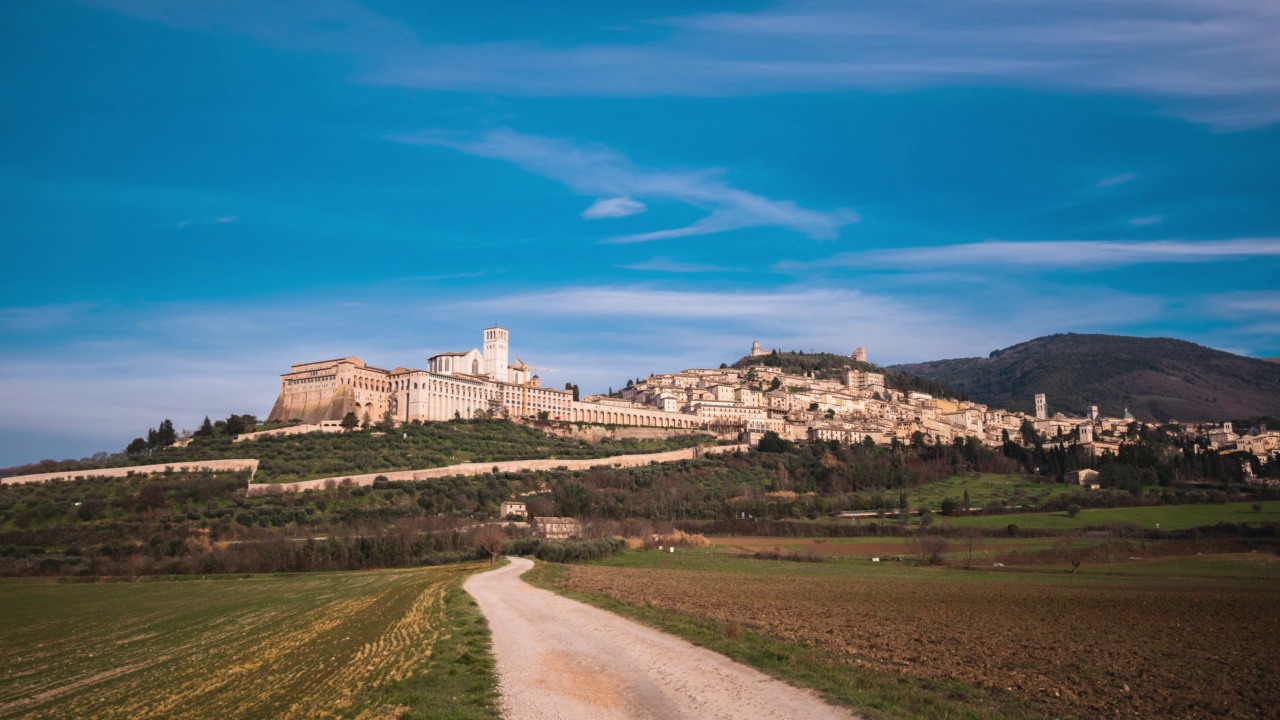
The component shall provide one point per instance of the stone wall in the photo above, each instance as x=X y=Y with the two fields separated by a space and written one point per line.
x=482 y=468
x=329 y=427
x=117 y=472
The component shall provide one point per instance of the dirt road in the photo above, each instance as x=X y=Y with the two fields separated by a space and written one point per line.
x=561 y=659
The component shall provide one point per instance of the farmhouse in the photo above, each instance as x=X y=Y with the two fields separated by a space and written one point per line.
x=513 y=507
x=1081 y=477
x=556 y=528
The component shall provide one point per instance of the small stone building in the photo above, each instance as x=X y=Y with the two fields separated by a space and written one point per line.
x=1084 y=477
x=513 y=507
x=556 y=528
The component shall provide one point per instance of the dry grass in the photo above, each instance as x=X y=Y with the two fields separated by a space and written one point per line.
x=680 y=538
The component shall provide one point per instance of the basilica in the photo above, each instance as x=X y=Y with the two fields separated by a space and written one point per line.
x=455 y=385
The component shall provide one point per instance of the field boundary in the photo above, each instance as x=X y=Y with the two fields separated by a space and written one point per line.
x=482 y=468
x=230 y=465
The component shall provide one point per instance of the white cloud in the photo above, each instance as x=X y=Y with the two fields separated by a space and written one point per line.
x=1080 y=254
x=615 y=207
x=1146 y=220
x=1213 y=61
x=592 y=169
x=226 y=219
x=1116 y=180
x=668 y=265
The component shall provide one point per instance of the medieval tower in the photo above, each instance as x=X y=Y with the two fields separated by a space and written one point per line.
x=495 y=353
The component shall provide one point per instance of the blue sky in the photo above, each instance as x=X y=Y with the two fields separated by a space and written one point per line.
x=195 y=195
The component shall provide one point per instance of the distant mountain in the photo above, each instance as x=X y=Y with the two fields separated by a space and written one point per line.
x=1156 y=378
x=829 y=366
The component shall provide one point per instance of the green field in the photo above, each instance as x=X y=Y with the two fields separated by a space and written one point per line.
x=1168 y=517
x=985 y=488
x=368 y=644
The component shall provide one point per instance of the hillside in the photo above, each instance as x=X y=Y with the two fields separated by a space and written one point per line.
x=1157 y=379
x=286 y=458
x=829 y=366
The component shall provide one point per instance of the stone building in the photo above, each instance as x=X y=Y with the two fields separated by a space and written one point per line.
x=556 y=528
x=513 y=507
x=455 y=385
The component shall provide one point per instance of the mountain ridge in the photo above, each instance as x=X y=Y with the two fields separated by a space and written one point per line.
x=1157 y=379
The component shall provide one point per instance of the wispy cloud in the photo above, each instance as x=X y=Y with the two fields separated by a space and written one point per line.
x=1214 y=61
x=592 y=169
x=226 y=219
x=616 y=207
x=1078 y=254
x=1146 y=220
x=669 y=265
x=1116 y=180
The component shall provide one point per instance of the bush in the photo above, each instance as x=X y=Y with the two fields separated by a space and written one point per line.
x=1073 y=510
x=578 y=550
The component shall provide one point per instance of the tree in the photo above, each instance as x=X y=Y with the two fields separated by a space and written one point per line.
x=724 y=366
x=772 y=442
x=137 y=447
x=575 y=393
x=964 y=504
x=1068 y=550
x=492 y=539
x=206 y=428
x=777 y=383
x=971 y=541
x=165 y=435
x=948 y=507
x=1073 y=510
x=929 y=548
x=235 y=424
x=350 y=421
x=367 y=421
x=387 y=423
x=1029 y=434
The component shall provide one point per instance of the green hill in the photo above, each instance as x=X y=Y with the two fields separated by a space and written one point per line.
x=1157 y=379
x=829 y=366
x=286 y=458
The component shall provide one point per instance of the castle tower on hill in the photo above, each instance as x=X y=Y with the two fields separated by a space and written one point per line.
x=756 y=351
x=1042 y=408
x=495 y=353
x=860 y=354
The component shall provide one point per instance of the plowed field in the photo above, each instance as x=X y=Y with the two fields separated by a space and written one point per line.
x=1066 y=646
x=311 y=646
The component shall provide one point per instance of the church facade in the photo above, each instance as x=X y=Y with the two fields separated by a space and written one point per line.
x=455 y=385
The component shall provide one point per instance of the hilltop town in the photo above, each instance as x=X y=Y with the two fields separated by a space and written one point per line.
x=852 y=405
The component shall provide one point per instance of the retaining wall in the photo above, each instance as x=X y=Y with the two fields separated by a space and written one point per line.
x=116 y=472
x=482 y=468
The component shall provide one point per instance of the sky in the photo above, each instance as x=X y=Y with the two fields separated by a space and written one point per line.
x=194 y=196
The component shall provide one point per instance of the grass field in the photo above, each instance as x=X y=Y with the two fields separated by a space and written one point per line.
x=1168 y=517
x=375 y=644
x=896 y=641
x=984 y=488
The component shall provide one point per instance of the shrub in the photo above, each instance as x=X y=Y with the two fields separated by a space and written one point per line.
x=578 y=550
x=1073 y=510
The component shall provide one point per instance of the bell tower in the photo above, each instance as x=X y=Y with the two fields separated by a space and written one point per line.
x=495 y=353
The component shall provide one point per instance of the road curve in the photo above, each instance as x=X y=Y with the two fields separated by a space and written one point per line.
x=560 y=659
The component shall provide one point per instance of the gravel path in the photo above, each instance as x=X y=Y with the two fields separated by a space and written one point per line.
x=560 y=659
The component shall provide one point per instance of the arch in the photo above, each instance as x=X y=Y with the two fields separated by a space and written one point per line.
x=475 y=367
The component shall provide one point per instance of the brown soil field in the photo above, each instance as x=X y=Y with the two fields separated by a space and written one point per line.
x=1065 y=646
